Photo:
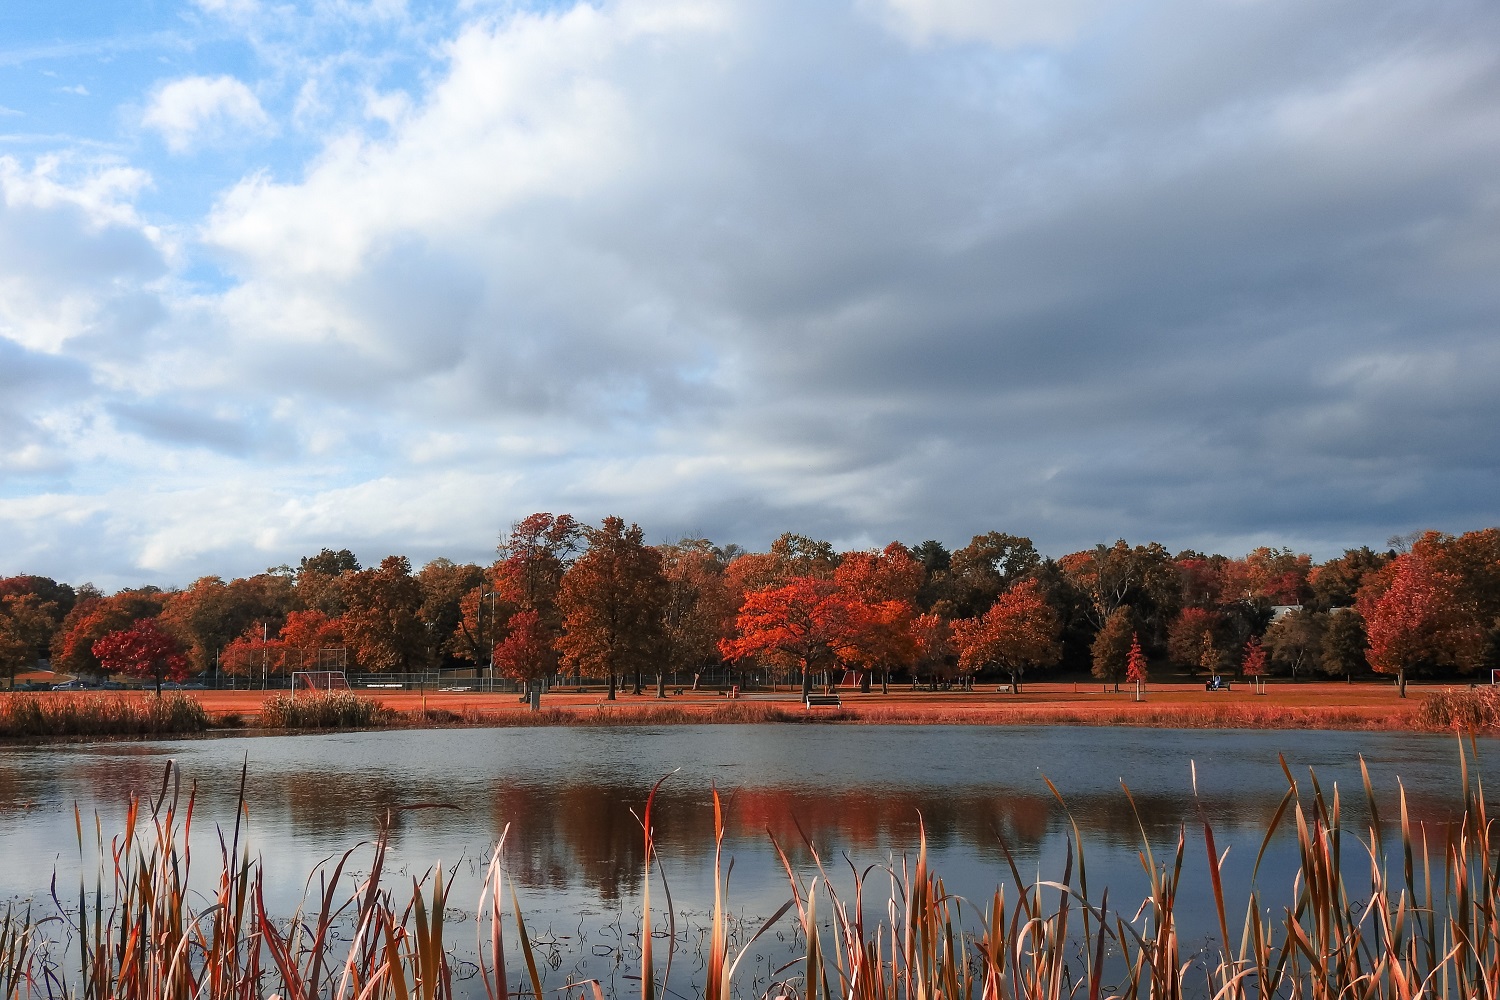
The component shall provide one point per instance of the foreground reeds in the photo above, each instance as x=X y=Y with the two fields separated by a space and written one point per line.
x=1422 y=919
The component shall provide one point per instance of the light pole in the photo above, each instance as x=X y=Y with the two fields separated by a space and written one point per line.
x=484 y=635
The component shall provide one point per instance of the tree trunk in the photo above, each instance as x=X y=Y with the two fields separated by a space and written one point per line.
x=864 y=682
x=1401 y=681
x=661 y=685
x=885 y=682
x=611 y=696
x=806 y=683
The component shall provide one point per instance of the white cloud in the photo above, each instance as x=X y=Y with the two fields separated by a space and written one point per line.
x=203 y=111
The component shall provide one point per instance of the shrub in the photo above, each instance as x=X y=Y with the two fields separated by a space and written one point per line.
x=324 y=710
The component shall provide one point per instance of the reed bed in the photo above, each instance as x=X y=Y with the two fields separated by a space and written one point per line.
x=27 y=716
x=326 y=710
x=1467 y=709
x=1422 y=920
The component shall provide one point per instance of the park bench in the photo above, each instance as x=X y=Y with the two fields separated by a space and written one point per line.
x=823 y=701
x=1004 y=688
x=396 y=685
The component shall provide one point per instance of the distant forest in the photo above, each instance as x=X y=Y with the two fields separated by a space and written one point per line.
x=595 y=600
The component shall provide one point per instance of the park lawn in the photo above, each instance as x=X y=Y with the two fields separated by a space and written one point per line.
x=1284 y=705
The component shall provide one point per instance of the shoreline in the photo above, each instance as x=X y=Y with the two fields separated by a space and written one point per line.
x=1285 y=706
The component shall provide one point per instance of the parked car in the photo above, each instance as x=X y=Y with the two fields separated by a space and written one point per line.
x=73 y=685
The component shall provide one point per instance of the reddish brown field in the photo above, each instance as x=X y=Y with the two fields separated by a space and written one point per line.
x=1284 y=705
x=1313 y=705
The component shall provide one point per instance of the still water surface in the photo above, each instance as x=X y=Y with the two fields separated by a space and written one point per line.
x=570 y=796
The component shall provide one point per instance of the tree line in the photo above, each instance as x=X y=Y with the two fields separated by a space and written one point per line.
x=598 y=601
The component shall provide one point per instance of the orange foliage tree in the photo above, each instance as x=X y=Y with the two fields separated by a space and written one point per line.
x=882 y=590
x=807 y=624
x=613 y=601
x=1018 y=631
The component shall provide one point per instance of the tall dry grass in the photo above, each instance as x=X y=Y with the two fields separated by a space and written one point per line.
x=25 y=716
x=326 y=710
x=1467 y=709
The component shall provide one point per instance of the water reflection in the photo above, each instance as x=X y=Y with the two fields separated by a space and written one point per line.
x=571 y=798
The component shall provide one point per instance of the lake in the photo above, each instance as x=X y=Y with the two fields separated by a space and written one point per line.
x=571 y=795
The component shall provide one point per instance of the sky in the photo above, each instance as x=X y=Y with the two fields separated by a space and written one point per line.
x=392 y=274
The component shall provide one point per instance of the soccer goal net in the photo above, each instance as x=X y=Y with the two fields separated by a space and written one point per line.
x=318 y=680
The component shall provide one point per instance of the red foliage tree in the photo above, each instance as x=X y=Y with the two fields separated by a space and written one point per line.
x=1254 y=663
x=1406 y=617
x=807 y=624
x=1135 y=663
x=143 y=651
x=526 y=653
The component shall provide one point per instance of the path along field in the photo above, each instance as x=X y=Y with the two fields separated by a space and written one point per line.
x=1283 y=705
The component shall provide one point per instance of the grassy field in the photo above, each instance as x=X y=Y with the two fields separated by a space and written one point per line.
x=1283 y=706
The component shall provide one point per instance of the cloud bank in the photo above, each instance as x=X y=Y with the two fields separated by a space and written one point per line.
x=1213 y=274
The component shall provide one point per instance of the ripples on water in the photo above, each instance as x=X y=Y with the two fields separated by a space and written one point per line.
x=570 y=797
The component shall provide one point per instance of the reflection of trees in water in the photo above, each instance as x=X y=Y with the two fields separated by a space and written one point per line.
x=585 y=833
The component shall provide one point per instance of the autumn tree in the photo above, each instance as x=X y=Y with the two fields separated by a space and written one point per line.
x=792 y=556
x=1019 y=630
x=1335 y=583
x=26 y=627
x=882 y=639
x=884 y=585
x=1142 y=576
x=92 y=618
x=382 y=623
x=699 y=610
x=1408 y=612
x=1253 y=664
x=1210 y=659
x=143 y=650
x=203 y=618
x=319 y=580
x=1136 y=671
x=1267 y=577
x=16 y=654
x=806 y=624
x=613 y=601
x=1111 y=647
x=935 y=654
x=1189 y=630
x=526 y=653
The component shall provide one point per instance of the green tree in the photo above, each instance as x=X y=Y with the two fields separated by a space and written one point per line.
x=1344 y=644
x=444 y=585
x=988 y=566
